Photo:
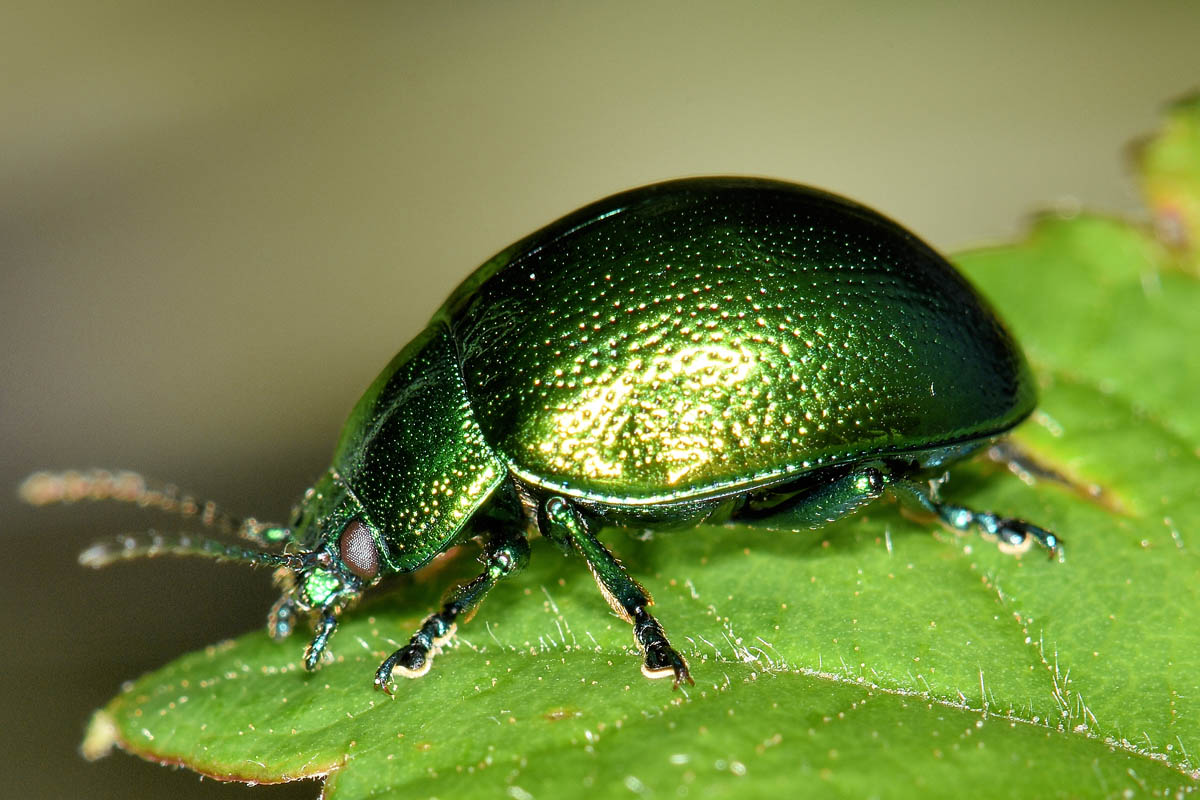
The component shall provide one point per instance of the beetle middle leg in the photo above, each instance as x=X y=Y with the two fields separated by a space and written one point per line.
x=562 y=522
x=506 y=553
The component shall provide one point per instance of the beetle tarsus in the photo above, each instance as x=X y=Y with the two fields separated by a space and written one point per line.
x=413 y=660
x=661 y=660
x=316 y=648
x=282 y=619
x=1018 y=532
x=506 y=553
x=1013 y=535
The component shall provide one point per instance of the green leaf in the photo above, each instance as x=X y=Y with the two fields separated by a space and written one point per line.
x=873 y=658
x=1170 y=172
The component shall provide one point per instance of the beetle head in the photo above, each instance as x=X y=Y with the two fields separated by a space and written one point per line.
x=337 y=558
x=323 y=561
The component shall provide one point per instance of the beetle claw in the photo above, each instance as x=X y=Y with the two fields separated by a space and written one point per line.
x=412 y=661
x=384 y=682
x=682 y=674
x=662 y=661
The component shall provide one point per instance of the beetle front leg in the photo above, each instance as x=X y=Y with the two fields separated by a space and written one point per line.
x=282 y=619
x=626 y=597
x=505 y=554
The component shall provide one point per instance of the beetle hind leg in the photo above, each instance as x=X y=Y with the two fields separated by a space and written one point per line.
x=562 y=522
x=821 y=504
x=506 y=553
x=1013 y=535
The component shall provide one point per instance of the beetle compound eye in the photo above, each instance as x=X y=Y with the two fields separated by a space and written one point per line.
x=357 y=549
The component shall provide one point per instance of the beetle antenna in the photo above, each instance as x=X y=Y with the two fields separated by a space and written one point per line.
x=152 y=543
x=123 y=486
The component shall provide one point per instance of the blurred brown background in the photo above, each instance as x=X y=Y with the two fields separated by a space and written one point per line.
x=219 y=221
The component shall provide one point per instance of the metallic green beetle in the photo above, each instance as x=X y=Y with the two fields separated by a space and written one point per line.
x=702 y=350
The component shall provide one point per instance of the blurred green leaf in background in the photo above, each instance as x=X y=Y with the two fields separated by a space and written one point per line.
x=871 y=659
